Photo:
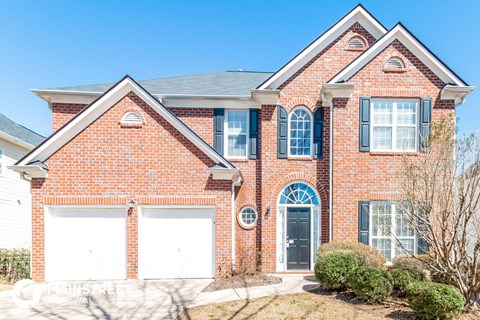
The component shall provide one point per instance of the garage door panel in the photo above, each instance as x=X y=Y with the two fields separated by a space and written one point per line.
x=86 y=244
x=176 y=244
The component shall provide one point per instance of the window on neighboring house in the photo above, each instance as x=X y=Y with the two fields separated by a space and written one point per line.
x=394 y=125
x=236 y=129
x=389 y=224
x=1 y=162
x=300 y=132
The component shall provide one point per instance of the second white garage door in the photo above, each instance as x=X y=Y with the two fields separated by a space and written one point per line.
x=176 y=243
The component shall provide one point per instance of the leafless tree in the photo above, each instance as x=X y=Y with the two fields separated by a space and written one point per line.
x=440 y=190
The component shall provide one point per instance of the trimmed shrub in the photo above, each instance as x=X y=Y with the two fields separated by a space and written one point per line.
x=373 y=257
x=403 y=277
x=14 y=264
x=333 y=268
x=371 y=285
x=433 y=301
x=421 y=263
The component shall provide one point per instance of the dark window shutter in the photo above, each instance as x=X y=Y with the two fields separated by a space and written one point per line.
x=218 y=118
x=254 y=126
x=363 y=221
x=365 y=124
x=425 y=123
x=318 y=127
x=282 y=133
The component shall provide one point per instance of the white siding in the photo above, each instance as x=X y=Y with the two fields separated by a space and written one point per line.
x=15 y=201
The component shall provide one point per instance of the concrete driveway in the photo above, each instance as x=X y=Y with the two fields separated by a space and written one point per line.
x=132 y=299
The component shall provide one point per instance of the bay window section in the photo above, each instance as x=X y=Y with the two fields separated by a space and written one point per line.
x=394 y=125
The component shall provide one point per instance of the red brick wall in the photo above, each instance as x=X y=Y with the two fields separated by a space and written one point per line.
x=63 y=112
x=107 y=164
x=368 y=175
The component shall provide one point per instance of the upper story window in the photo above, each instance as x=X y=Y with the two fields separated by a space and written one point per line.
x=300 y=132
x=394 y=125
x=1 y=161
x=390 y=226
x=236 y=129
x=356 y=43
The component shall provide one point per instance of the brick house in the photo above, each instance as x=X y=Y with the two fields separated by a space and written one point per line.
x=193 y=176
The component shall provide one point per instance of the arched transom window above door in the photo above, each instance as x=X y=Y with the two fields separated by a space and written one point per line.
x=298 y=193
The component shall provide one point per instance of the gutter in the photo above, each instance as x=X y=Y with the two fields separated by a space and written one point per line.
x=16 y=141
x=234 y=184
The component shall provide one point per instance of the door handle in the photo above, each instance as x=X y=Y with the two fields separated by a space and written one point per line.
x=291 y=241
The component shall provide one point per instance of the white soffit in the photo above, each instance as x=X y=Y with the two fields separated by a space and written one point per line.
x=358 y=14
x=399 y=32
x=101 y=105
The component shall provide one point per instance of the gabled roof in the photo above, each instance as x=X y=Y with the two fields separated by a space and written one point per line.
x=401 y=33
x=101 y=105
x=18 y=133
x=229 y=83
x=358 y=14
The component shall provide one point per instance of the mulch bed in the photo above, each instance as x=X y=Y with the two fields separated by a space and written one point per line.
x=242 y=281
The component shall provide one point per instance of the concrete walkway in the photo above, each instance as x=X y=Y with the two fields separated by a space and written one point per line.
x=290 y=284
x=132 y=299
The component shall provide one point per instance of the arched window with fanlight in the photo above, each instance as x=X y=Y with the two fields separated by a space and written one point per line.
x=300 y=132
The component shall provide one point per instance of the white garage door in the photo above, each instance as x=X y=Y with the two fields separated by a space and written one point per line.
x=176 y=243
x=85 y=244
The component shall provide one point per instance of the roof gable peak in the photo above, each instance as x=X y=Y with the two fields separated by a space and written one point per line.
x=358 y=14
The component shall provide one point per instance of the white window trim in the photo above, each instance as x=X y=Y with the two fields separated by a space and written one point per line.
x=2 y=162
x=225 y=134
x=394 y=125
x=311 y=132
x=393 y=228
x=249 y=225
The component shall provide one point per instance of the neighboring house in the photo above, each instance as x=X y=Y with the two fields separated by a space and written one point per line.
x=15 y=199
x=186 y=176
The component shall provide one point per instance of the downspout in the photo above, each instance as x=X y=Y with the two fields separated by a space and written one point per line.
x=330 y=187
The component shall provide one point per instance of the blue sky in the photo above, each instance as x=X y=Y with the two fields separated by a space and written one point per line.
x=61 y=43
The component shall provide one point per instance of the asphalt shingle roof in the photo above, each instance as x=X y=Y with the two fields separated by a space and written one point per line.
x=20 y=132
x=218 y=83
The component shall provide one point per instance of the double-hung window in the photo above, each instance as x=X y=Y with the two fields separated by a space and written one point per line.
x=394 y=125
x=236 y=127
x=390 y=227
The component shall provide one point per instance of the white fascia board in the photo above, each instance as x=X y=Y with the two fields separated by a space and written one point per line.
x=401 y=34
x=168 y=100
x=266 y=97
x=16 y=141
x=336 y=90
x=359 y=15
x=234 y=175
x=458 y=94
x=100 y=106
x=31 y=170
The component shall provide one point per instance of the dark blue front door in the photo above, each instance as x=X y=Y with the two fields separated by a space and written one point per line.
x=298 y=239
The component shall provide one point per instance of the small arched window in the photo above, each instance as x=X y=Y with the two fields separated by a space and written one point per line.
x=395 y=63
x=131 y=118
x=356 y=43
x=300 y=132
x=248 y=217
